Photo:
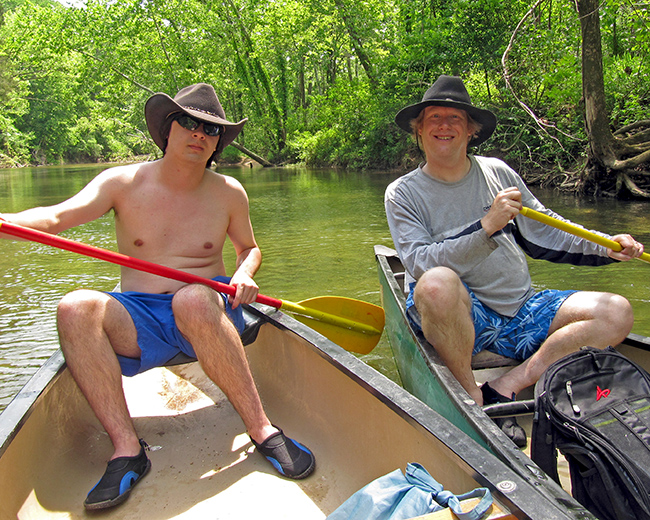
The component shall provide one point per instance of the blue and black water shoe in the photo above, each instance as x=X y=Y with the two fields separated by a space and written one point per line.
x=121 y=475
x=289 y=457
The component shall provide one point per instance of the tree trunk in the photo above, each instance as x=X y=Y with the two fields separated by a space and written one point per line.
x=593 y=82
x=255 y=70
x=616 y=163
x=601 y=154
x=355 y=38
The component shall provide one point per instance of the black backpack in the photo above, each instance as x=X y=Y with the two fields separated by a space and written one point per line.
x=594 y=407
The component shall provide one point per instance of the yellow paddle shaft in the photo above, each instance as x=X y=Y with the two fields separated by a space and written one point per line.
x=576 y=230
x=329 y=318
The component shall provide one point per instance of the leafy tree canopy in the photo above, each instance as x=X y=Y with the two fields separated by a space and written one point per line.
x=320 y=81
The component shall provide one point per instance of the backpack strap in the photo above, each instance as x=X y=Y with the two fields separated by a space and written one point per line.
x=543 y=450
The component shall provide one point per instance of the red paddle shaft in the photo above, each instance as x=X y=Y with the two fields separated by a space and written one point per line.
x=124 y=260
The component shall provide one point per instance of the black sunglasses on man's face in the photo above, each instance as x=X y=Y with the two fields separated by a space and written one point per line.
x=191 y=124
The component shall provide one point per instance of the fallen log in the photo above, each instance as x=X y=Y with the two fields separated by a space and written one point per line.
x=250 y=154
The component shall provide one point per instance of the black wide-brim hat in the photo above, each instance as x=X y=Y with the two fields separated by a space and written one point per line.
x=450 y=91
x=199 y=101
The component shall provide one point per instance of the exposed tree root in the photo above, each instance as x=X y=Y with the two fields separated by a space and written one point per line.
x=632 y=164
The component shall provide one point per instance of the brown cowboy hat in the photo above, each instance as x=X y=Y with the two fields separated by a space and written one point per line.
x=449 y=91
x=199 y=101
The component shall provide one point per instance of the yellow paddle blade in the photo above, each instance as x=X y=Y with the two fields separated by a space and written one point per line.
x=356 y=325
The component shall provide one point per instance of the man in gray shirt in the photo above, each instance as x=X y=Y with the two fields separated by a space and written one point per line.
x=456 y=227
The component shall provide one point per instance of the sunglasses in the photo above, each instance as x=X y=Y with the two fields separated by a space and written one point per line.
x=191 y=124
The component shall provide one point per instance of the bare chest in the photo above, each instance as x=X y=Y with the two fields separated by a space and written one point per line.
x=156 y=225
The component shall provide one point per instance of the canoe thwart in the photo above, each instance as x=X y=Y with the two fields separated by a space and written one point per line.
x=514 y=408
x=487 y=359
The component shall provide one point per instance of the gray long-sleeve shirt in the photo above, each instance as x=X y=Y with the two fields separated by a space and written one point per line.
x=436 y=223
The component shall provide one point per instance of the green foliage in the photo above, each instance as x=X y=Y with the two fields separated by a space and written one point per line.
x=628 y=79
x=352 y=127
x=320 y=81
x=14 y=149
x=479 y=30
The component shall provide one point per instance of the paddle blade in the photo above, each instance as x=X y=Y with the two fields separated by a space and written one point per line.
x=351 y=339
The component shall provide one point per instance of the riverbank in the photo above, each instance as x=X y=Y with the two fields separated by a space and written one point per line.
x=567 y=178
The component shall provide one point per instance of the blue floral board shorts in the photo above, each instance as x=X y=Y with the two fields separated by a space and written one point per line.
x=516 y=337
x=158 y=336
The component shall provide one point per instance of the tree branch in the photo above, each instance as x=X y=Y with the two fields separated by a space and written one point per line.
x=129 y=79
x=542 y=123
x=164 y=49
x=253 y=156
x=633 y=126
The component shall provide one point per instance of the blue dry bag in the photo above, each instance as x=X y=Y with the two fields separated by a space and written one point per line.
x=398 y=496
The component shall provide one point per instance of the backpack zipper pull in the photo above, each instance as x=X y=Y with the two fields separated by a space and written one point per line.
x=569 y=391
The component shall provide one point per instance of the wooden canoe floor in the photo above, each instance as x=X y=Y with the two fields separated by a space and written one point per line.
x=203 y=463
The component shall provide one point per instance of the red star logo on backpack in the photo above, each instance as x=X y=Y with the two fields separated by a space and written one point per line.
x=601 y=393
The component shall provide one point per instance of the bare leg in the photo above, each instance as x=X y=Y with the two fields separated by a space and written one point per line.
x=445 y=308
x=92 y=328
x=201 y=318
x=585 y=318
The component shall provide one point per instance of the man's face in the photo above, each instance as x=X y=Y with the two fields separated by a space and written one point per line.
x=192 y=144
x=445 y=131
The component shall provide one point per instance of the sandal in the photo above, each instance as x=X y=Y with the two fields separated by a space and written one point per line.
x=289 y=457
x=508 y=425
x=121 y=475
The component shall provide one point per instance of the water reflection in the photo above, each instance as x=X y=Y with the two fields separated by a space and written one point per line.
x=316 y=229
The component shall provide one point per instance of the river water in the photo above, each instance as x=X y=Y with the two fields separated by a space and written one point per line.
x=316 y=229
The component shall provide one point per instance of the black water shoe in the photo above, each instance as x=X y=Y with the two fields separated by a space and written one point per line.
x=121 y=475
x=508 y=425
x=289 y=457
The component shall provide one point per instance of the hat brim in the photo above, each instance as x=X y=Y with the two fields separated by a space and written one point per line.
x=485 y=118
x=159 y=107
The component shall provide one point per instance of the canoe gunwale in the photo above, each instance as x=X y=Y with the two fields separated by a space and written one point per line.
x=20 y=407
x=451 y=386
x=637 y=341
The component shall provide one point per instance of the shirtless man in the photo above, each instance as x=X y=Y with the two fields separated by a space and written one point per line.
x=105 y=335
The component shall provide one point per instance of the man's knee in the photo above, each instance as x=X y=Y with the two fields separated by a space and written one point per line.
x=613 y=310
x=610 y=314
x=79 y=305
x=617 y=312
x=197 y=301
x=439 y=289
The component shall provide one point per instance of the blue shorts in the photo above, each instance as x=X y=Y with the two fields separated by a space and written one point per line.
x=158 y=336
x=516 y=337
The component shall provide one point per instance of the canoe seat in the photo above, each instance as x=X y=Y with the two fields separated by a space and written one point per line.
x=496 y=513
x=253 y=323
x=486 y=359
